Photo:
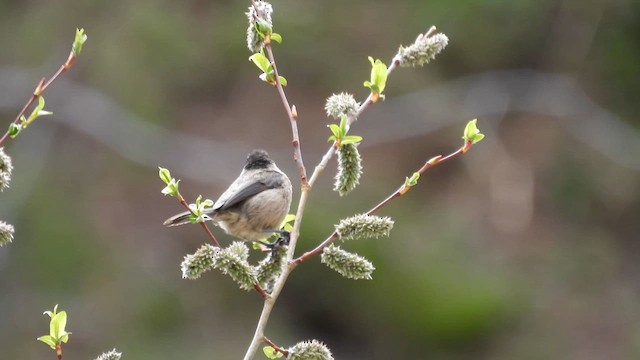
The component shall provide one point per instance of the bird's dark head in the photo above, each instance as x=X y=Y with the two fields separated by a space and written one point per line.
x=258 y=159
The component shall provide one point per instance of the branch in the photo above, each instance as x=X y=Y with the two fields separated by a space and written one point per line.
x=350 y=120
x=401 y=191
x=292 y=113
x=42 y=86
x=202 y=224
x=276 y=347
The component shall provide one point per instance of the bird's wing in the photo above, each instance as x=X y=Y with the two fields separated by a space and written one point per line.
x=245 y=192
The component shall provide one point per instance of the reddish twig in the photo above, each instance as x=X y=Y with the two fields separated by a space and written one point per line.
x=401 y=191
x=261 y=291
x=206 y=229
x=276 y=347
x=202 y=224
x=292 y=113
x=42 y=86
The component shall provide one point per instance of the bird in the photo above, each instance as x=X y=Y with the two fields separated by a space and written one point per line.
x=254 y=206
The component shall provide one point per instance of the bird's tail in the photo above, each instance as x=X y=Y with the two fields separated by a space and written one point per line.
x=179 y=219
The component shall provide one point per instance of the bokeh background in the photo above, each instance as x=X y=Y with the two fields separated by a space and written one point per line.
x=524 y=248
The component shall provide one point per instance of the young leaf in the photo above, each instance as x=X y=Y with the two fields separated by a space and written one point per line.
x=413 y=180
x=164 y=174
x=472 y=133
x=271 y=353
x=57 y=325
x=261 y=61
x=337 y=132
x=283 y=81
x=286 y=222
x=79 y=40
x=351 y=139
x=47 y=339
x=276 y=37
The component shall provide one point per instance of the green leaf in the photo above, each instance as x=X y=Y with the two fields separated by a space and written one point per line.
x=40 y=105
x=413 y=180
x=57 y=325
x=335 y=129
x=283 y=81
x=344 y=119
x=351 y=139
x=276 y=37
x=378 y=79
x=65 y=337
x=207 y=203
x=171 y=188
x=478 y=137
x=379 y=75
x=271 y=353
x=79 y=40
x=165 y=175
x=472 y=133
x=261 y=61
x=47 y=339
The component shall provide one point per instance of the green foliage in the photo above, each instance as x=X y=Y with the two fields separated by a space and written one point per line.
x=268 y=74
x=378 y=77
x=340 y=133
x=57 y=332
x=472 y=133
x=15 y=129
x=271 y=353
x=413 y=180
x=172 y=184
x=79 y=40
x=198 y=210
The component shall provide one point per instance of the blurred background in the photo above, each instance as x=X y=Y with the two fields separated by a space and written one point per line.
x=526 y=247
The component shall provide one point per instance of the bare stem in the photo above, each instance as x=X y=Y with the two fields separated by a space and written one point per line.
x=293 y=116
x=42 y=86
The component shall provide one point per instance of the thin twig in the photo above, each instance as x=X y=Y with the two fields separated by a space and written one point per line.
x=401 y=191
x=350 y=120
x=42 y=86
x=202 y=224
x=291 y=112
x=276 y=347
x=206 y=229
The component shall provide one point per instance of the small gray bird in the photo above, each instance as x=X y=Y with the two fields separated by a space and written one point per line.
x=254 y=205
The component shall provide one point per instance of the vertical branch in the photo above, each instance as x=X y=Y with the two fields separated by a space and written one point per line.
x=291 y=113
